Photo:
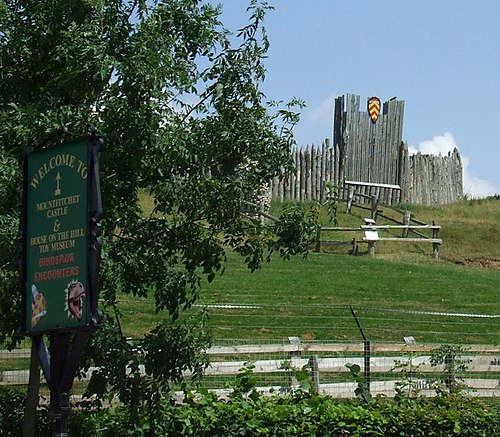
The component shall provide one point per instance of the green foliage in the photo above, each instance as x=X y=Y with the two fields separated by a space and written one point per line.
x=450 y=357
x=331 y=203
x=301 y=375
x=494 y=197
x=10 y=211
x=245 y=383
x=204 y=415
x=296 y=230
x=175 y=348
x=407 y=388
x=12 y=413
x=362 y=391
x=301 y=414
x=177 y=98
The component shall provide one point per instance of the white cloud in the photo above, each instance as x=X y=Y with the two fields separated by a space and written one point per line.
x=442 y=144
x=475 y=187
x=316 y=123
x=323 y=112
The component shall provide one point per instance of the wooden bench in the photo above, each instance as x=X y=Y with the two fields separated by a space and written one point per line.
x=393 y=193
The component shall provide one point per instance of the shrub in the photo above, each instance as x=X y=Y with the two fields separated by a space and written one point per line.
x=301 y=414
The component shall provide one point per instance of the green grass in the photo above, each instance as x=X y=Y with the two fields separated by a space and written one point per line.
x=14 y=363
x=311 y=297
x=469 y=229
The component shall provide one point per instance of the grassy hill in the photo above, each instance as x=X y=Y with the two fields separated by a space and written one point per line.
x=402 y=291
x=470 y=229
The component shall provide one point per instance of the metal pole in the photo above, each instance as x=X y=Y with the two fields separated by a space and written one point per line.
x=367 y=369
x=366 y=350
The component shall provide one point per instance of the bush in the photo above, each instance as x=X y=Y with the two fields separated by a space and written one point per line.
x=12 y=414
x=251 y=414
x=301 y=414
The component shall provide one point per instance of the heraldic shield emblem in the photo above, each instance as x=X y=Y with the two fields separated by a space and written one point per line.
x=374 y=108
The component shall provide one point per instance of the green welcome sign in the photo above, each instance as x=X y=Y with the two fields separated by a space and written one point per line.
x=57 y=238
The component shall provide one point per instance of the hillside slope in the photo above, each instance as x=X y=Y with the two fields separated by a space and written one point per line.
x=470 y=230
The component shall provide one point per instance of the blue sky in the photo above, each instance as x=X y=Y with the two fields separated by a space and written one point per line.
x=442 y=57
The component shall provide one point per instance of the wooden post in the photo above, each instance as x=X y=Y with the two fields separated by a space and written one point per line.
x=363 y=151
x=371 y=247
x=308 y=181
x=435 y=246
x=313 y=364
x=317 y=247
x=374 y=205
x=262 y=218
x=294 y=385
x=303 y=176
x=354 y=246
x=287 y=185
x=406 y=222
x=350 y=198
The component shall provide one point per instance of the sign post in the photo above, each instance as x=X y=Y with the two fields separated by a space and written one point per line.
x=61 y=252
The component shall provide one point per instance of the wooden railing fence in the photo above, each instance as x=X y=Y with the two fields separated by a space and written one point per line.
x=411 y=230
x=390 y=366
x=369 y=233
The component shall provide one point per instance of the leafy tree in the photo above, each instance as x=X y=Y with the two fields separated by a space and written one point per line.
x=177 y=98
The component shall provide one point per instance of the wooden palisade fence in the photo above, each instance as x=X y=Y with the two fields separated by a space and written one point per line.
x=373 y=157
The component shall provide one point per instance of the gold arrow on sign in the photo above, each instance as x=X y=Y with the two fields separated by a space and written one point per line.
x=58 y=185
